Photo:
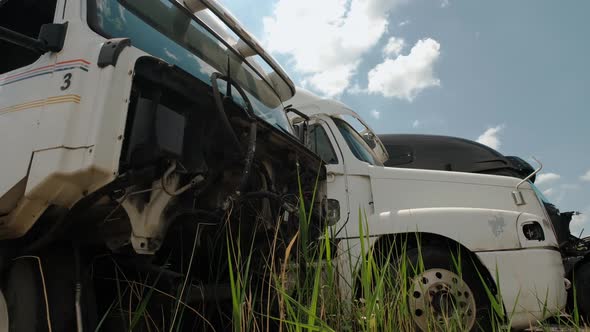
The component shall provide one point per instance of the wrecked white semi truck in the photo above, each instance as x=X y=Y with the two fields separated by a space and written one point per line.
x=137 y=137
x=499 y=223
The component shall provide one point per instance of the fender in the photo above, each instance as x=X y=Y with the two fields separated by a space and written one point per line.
x=475 y=228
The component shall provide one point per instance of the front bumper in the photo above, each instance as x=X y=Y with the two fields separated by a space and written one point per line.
x=531 y=282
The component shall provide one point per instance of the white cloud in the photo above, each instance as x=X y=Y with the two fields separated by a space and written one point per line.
x=394 y=46
x=170 y=54
x=356 y=89
x=570 y=186
x=545 y=178
x=326 y=39
x=204 y=67
x=586 y=176
x=416 y=124
x=376 y=114
x=402 y=23
x=444 y=3
x=490 y=137
x=580 y=223
x=331 y=81
x=548 y=192
x=405 y=76
x=563 y=191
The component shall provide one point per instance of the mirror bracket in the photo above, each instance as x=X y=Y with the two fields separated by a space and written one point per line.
x=51 y=38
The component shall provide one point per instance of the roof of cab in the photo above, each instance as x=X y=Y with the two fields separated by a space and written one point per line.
x=311 y=104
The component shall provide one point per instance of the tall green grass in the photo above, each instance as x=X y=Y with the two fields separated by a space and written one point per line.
x=299 y=286
x=311 y=297
x=316 y=302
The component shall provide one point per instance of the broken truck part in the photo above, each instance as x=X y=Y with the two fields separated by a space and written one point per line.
x=139 y=137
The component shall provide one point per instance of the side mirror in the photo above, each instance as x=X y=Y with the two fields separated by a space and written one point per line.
x=301 y=128
x=369 y=138
x=301 y=131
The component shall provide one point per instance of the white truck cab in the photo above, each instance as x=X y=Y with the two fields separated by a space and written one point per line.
x=498 y=221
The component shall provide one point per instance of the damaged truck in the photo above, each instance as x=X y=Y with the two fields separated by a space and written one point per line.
x=495 y=227
x=138 y=139
x=461 y=155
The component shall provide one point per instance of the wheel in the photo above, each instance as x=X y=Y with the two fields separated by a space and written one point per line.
x=40 y=293
x=582 y=290
x=440 y=298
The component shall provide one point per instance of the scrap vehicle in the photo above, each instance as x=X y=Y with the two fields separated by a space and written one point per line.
x=140 y=141
x=498 y=224
x=462 y=155
x=448 y=153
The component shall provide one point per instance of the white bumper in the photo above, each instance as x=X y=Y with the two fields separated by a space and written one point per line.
x=531 y=282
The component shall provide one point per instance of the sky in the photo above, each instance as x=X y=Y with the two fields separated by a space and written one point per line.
x=514 y=75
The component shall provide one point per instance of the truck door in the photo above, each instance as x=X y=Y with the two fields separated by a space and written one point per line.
x=321 y=141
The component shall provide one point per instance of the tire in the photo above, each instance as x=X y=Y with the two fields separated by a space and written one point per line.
x=438 y=292
x=40 y=294
x=582 y=290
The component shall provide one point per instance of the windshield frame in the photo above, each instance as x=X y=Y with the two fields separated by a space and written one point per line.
x=94 y=26
x=246 y=37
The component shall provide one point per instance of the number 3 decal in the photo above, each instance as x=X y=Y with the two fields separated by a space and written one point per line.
x=67 y=81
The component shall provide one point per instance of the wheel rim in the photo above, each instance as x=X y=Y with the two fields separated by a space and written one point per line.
x=438 y=296
x=3 y=314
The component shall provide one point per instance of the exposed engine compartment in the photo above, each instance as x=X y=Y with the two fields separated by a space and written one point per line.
x=179 y=159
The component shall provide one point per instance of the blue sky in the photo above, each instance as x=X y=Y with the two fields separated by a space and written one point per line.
x=512 y=74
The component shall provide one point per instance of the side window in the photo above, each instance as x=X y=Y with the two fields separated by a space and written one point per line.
x=25 y=17
x=319 y=142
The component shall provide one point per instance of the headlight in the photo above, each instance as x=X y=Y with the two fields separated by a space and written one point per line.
x=332 y=209
x=533 y=231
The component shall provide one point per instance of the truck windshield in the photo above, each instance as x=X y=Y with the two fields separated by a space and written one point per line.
x=355 y=142
x=165 y=29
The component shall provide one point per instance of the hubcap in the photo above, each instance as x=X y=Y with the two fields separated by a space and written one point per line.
x=439 y=296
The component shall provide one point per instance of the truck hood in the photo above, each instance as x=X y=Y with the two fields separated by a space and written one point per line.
x=397 y=189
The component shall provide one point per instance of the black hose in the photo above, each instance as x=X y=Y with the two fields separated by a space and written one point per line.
x=266 y=174
x=249 y=158
x=221 y=111
x=249 y=109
